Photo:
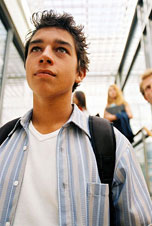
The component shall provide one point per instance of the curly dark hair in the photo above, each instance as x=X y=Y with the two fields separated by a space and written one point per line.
x=64 y=21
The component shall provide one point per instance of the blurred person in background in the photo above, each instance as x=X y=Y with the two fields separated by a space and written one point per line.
x=146 y=85
x=118 y=111
x=79 y=99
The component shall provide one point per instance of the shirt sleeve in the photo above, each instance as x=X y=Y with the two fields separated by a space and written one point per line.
x=132 y=202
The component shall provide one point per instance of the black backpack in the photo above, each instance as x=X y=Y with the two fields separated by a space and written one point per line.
x=104 y=148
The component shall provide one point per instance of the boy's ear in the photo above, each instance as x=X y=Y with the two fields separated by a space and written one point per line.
x=80 y=75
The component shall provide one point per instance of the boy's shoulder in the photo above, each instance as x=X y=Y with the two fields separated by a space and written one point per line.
x=7 y=128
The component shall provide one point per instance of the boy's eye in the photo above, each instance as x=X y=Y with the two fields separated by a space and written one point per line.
x=62 y=50
x=148 y=87
x=35 y=49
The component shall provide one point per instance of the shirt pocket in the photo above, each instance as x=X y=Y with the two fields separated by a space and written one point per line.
x=98 y=204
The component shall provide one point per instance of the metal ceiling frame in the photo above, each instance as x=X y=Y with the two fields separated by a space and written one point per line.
x=143 y=40
x=125 y=53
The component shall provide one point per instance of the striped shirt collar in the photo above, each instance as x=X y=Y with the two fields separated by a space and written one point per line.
x=77 y=117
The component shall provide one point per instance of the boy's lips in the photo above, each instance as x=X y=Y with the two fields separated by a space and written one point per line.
x=48 y=72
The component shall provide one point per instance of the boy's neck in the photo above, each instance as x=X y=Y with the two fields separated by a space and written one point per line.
x=49 y=116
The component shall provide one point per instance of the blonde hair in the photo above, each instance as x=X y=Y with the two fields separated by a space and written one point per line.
x=119 y=96
x=146 y=74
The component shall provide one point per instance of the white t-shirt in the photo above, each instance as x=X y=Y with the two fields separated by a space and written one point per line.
x=38 y=204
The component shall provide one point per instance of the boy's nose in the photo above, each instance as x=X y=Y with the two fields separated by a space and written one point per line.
x=47 y=56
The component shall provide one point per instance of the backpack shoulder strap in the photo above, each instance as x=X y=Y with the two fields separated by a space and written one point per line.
x=104 y=146
x=6 y=129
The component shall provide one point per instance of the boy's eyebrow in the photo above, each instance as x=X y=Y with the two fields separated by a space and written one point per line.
x=36 y=41
x=57 y=41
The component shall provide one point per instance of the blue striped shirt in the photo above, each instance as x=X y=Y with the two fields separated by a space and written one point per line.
x=82 y=199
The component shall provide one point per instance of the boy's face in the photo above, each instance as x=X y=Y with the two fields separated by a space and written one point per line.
x=147 y=87
x=51 y=64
